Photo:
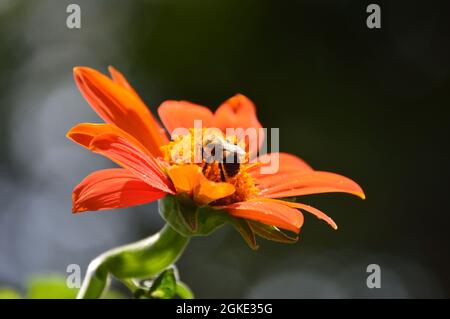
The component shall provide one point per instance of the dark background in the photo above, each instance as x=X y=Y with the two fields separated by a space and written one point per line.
x=369 y=104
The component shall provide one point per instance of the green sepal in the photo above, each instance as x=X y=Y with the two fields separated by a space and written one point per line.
x=188 y=219
x=272 y=233
x=243 y=227
x=189 y=212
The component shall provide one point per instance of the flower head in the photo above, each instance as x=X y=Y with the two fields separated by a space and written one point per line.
x=201 y=172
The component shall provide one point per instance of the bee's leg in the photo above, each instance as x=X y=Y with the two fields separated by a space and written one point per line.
x=222 y=172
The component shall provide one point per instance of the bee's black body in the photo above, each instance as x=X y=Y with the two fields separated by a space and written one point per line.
x=229 y=166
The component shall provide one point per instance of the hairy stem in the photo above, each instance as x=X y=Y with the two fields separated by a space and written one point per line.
x=143 y=259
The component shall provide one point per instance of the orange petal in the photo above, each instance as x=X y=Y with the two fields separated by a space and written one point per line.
x=125 y=153
x=207 y=191
x=120 y=79
x=287 y=163
x=305 y=183
x=309 y=191
x=117 y=105
x=239 y=112
x=269 y=213
x=190 y=179
x=182 y=114
x=84 y=133
x=184 y=177
x=319 y=214
x=112 y=188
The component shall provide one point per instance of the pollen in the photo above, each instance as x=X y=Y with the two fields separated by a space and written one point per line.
x=181 y=150
x=245 y=186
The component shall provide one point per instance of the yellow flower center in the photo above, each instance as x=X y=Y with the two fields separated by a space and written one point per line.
x=221 y=159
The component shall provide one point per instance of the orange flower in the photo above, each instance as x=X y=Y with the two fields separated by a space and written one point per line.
x=133 y=139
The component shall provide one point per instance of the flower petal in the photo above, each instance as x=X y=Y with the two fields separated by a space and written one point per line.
x=239 y=112
x=112 y=188
x=269 y=213
x=190 y=179
x=120 y=79
x=207 y=191
x=286 y=162
x=182 y=114
x=117 y=105
x=306 y=183
x=319 y=214
x=84 y=133
x=126 y=154
x=184 y=177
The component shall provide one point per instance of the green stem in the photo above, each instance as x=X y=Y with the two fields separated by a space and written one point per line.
x=143 y=259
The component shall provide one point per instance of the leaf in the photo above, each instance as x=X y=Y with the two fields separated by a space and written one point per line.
x=243 y=227
x=8 y=293
x=164 y=286
x=50 y=287
x=183 y=291
x=187 y=218
x=271 y=233
x=55 y=287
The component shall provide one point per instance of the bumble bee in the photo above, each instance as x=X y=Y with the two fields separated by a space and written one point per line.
x=226 y=154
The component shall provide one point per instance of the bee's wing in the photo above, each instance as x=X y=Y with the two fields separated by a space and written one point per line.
x=233 y=148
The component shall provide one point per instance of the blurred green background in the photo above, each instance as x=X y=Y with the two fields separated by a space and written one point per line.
x=369 y=104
